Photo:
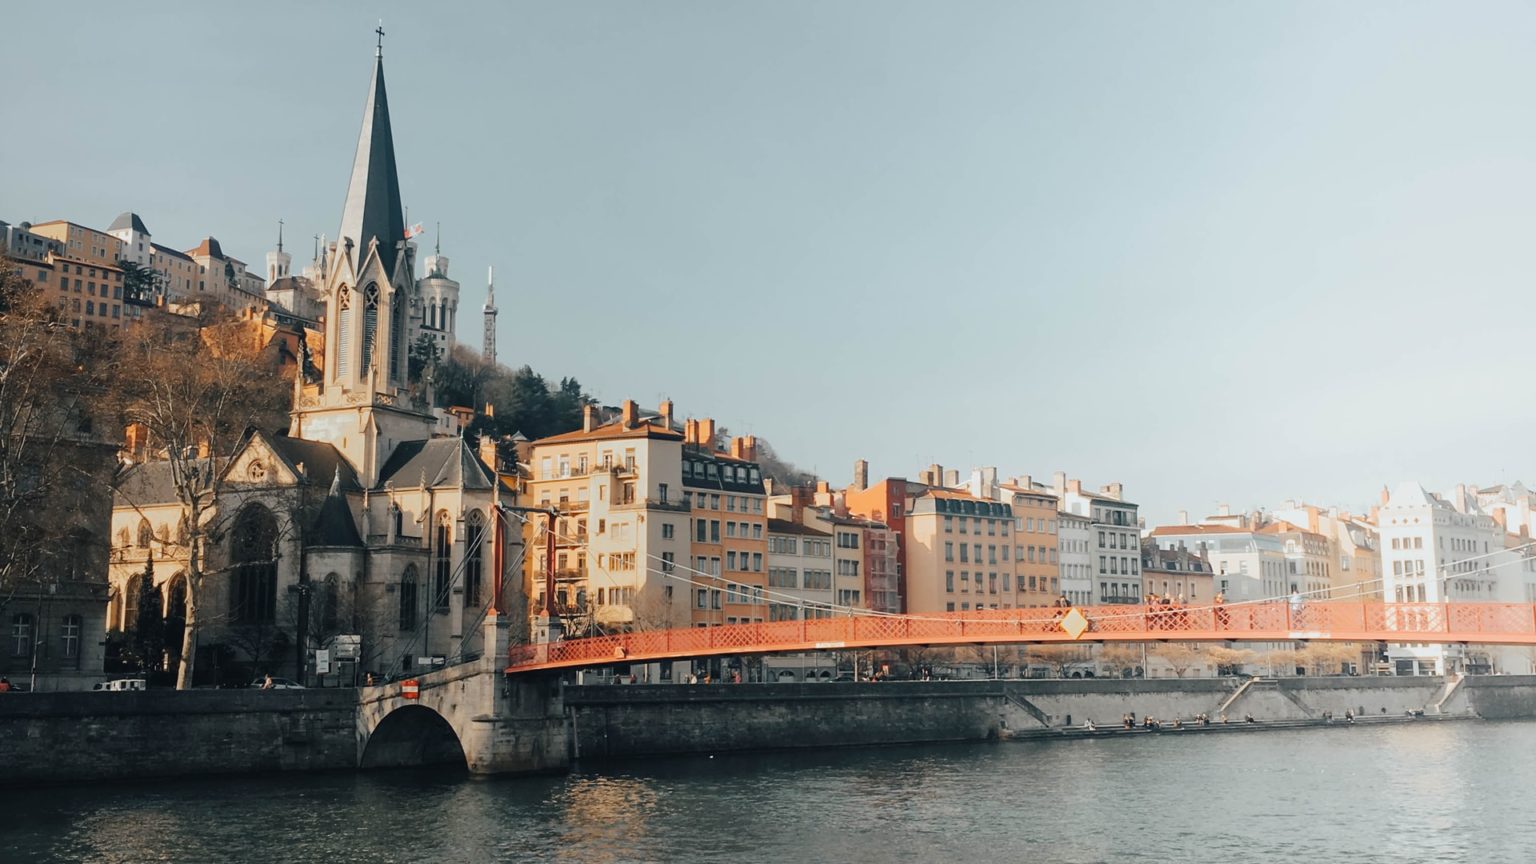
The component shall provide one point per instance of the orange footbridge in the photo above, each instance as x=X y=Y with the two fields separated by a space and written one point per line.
x=1338 y=621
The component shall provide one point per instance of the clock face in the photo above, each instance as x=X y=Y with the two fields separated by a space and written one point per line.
x=256 y=471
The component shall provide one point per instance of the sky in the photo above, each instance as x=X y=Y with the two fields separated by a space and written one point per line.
x=1222 y=253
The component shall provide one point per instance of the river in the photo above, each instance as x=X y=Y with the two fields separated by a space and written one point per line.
x=1411 y=792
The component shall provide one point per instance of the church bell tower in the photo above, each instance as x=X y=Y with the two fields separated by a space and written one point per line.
x=363 y=403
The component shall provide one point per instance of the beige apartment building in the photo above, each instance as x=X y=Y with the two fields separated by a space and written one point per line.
x=82 y=244
x=1036 y=561
x=728 y=547
x=623 y=522
x=955 y=563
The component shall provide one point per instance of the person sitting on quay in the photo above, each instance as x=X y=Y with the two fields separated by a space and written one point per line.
x=1128 y=721
x=1088 y=725
x=1248 y=718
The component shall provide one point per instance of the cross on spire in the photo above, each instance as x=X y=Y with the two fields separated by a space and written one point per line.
x=379 y=51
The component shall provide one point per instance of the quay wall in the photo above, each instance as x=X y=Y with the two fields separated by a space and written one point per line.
x=72 y=737
x=68 y=737
x=623 y=721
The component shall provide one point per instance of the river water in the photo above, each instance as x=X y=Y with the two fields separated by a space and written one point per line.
x=1413 y=792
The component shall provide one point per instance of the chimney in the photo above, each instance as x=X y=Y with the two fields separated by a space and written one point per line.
x=665 y=410
x=631 y=414
x=1224 y=510
x=799 y=497
x=823 y=487
x=1075 y=486
x=738 y=447
x=588 y=418
x=1385 y=495
x=952 y=477
x=690 y=431
x=989 y=483
x=1024 y=482
x=1059 y=482
x=1183 y=517
x=707 y=433
x=488 y=452
x=1114 y=490
x=933 y=475
x=860 y=475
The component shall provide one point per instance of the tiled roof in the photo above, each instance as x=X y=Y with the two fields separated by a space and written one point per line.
x=609 y=431
x=784 y=526
x=1179 y=530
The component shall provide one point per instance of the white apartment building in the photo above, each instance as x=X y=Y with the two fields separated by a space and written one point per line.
x=1437 y=551
x=1247 y=564
x=800 y=571
x=1115 y=538
x=1074 y=541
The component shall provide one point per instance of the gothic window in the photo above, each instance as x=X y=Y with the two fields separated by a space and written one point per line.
x=329 y=597
x=146 y=533
x=408 y=581
x=474 y=542
x=253 y=552
x=343 y=330
x=131 y=594
x=442 y=558
x=397 y=336
x=370 y=325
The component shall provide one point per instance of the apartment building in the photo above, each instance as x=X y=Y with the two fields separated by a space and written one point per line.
x=1036 y=559
x=955 y=549
x=1114 y=532
x=622 y=531
x=800 y=568
x=1176 y=572
x=728 y=543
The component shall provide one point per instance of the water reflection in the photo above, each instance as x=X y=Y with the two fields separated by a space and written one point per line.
x=1426 y=791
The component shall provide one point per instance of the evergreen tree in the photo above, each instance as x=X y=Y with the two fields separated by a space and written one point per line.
x=148 y=643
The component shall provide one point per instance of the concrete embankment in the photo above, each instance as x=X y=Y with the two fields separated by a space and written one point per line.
x=630 y=721
x=69 y=737
x=65 y=737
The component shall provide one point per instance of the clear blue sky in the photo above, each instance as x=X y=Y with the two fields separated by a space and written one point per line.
x=1219 y=252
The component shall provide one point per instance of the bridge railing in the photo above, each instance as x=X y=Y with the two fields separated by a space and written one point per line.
x=1347 y=620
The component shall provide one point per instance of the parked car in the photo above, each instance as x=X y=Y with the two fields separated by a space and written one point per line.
x=121 y=684
x=277 y=684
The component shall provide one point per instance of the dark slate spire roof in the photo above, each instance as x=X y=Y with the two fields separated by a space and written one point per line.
x=334 y=526
x=373 y=206
x=130 y=221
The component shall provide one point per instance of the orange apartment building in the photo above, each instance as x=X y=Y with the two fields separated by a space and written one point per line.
x=728 y=542
x=1036 y=567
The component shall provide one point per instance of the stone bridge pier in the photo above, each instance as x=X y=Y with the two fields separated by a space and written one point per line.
x=471 y=714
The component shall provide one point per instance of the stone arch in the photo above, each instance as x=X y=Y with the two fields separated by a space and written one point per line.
x=413 y=735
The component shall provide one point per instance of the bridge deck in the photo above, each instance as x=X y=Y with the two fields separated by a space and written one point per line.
x=1338 y=621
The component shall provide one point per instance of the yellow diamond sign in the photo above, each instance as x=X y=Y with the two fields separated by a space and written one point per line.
x=1074 y=623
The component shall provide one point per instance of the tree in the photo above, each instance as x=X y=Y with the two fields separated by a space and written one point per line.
x=1120 y=658
x=1058 y=657
x=196 y=386
x=1228 y=661
x=1180 y=656
x=147 y=642
x=52 y=460
x=781 y=471
x=1326 y=658
x=139 y=282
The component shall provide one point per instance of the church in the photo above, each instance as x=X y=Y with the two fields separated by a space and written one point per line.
x=371 y=534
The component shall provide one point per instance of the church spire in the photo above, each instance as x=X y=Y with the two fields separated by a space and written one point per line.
x=373 y=209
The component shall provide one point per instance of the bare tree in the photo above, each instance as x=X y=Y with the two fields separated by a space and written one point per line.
x=1180 y=656
x=1229 y=660
x=1058 y=657
x=51 y=378
x=196 y=386
x=1118 y=658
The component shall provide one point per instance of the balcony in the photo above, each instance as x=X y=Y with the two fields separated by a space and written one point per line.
x=671 y=505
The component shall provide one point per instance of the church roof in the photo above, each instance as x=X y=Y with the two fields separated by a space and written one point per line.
x=442 y=461
x=144 y=485
x=321 y=461
x=334 y=525
x=373 y=206
x=130 y=221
